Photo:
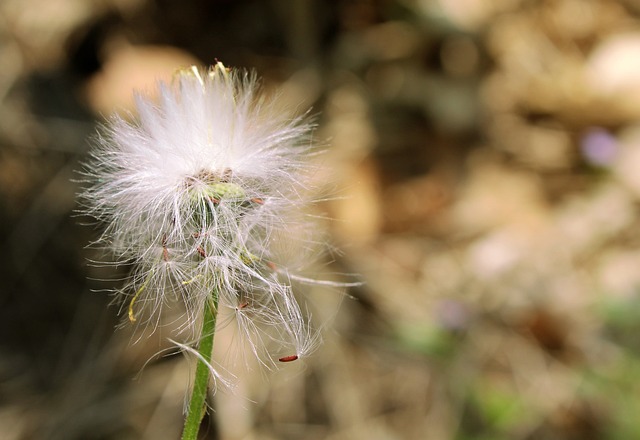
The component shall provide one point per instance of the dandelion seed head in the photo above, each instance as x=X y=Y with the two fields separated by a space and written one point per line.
x=195 y=191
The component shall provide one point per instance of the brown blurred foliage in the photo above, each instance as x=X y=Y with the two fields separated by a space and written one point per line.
x=486 y=159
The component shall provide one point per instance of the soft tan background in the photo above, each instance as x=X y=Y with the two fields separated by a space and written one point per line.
x=486 y=159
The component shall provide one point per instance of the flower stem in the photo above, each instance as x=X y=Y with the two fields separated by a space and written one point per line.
x=197 y=404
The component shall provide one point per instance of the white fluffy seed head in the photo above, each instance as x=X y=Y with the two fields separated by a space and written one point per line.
x=193 y=193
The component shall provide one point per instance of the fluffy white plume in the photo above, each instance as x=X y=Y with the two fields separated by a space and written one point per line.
x=193 y=194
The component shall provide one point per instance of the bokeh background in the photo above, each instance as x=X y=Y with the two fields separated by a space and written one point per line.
x=485 y=155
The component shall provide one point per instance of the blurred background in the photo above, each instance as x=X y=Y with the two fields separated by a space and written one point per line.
x=486 y=159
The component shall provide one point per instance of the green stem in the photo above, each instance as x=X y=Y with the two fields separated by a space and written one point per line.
x=201 y=383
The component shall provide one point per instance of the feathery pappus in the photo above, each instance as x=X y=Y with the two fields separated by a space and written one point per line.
x=193 y=191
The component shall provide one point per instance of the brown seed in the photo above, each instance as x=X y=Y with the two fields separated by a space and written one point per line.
x=165 y=252
x=226 y=175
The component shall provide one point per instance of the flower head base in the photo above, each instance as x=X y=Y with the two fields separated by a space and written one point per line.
x=194 y=193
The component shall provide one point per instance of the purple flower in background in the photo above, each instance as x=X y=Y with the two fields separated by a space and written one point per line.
x=598 y=147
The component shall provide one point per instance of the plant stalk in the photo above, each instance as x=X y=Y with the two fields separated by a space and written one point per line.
x=197 y=404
